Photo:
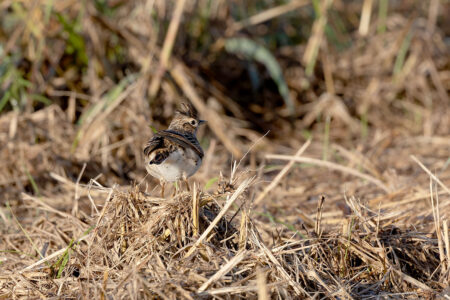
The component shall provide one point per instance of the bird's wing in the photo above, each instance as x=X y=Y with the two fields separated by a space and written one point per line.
x=185 y=140
x=155 y=150
x=154 y=143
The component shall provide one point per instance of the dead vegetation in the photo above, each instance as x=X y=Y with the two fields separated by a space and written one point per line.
x=346 y=197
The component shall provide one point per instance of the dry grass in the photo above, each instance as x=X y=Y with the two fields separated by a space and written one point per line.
x=346 y=197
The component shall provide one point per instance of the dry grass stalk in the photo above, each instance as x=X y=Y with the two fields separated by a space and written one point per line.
x=360 y=160
x=195 y=208
x=328 y=70
x=167 y=47
x=315 y=40
x=263 y=293
x=437 y=226
x=366 y=12
x=332 y=166
x=447 y=245
x=413 y=281
x=433 y=13
x=215 y=122
x=51 y=256
x=240 y=289
x=77 y=197
x=267 y=15
x=282 y=173
x=224 y=270
x=317 y=228
x=435 y=178
x=217 y=219
x=256 y=240
x=243 y=230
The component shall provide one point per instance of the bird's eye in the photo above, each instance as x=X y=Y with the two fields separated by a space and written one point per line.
x=193 y=122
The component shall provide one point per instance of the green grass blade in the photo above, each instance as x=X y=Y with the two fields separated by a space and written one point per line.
x=154 y=130
x=316 y=7
x=97 y=108
x=75 y=40
x=4 y=100
x=400 y=60
x=210 y=182
x=33 y=183
x=41 y=98
x=24 y=231
x=382 y=16
x=64 y=259
x=251 y=50
x=274 y=220
x=108 y=99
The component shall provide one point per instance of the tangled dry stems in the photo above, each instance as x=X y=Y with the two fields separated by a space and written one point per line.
x=137 y=245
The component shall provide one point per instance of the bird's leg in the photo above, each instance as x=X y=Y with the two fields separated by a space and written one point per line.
x=187 y=184
x=162 y=183
x=175 y=191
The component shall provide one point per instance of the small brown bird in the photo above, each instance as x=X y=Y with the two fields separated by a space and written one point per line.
x=175 y=154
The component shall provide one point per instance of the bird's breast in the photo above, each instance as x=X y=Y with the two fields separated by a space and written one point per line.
x=180 y=164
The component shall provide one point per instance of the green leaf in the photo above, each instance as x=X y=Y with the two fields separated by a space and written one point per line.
x=75 y=39
x=154 y=130
x=210 y=182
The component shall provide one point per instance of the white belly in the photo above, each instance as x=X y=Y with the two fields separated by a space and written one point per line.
x=178 y=166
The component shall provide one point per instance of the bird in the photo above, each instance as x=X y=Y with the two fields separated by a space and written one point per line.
x=175 y=154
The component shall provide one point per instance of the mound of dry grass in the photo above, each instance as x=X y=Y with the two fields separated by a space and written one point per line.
x=199 y=244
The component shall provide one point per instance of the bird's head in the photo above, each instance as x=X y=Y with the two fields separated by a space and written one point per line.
x=186 y=119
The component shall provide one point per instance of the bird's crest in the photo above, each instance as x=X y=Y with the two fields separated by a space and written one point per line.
x=188 y=110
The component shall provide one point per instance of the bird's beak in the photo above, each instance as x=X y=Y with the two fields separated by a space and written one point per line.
x=200 y=122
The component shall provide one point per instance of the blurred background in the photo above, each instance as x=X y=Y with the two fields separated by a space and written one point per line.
x=83 y=84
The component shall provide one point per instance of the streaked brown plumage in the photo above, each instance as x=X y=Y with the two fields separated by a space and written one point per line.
x=175 y=154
